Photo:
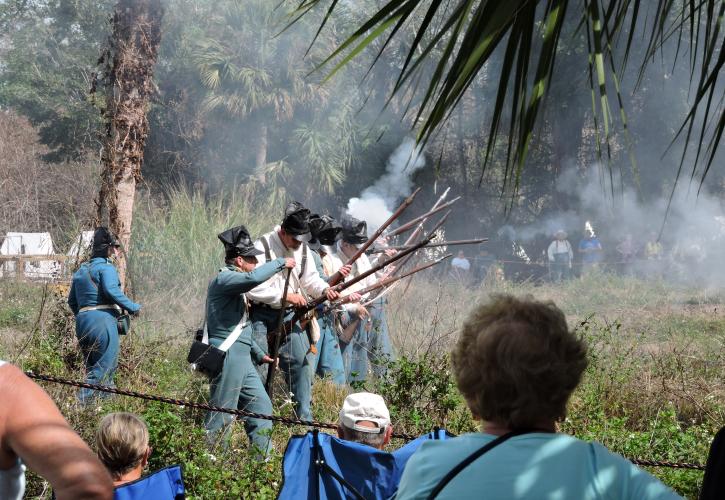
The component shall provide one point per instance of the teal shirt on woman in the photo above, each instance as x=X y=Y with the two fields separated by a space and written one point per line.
x=226 y=304
x=540 y=466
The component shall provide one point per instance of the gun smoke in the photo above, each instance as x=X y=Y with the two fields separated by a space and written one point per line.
x=377 y=202
x=691 y=231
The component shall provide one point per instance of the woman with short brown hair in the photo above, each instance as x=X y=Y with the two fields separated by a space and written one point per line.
x=517 y=364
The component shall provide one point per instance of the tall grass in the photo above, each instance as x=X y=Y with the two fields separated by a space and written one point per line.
x=175 y=249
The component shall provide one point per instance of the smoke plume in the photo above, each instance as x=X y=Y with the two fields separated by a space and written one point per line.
x=691 y=230
x=377 y=202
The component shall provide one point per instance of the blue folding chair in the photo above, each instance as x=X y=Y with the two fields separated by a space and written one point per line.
x=319 y=466
x=164 y=484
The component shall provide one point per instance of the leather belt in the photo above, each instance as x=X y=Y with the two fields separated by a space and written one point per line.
x=101 y=307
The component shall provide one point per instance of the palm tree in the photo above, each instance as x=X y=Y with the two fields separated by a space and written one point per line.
x=128 y=67
x=251 y=74
x=454 y=39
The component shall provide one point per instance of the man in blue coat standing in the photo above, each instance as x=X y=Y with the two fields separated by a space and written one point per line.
x=238 y=385
x=97 y=301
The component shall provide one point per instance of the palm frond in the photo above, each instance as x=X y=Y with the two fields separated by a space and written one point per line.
x=470 y=31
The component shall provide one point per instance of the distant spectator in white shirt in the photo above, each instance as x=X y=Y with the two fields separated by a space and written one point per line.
x=460 y=264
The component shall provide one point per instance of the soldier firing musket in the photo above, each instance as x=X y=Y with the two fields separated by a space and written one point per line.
x=326 y=232
x=301 y=311
x=289 y=240
x=367 y=338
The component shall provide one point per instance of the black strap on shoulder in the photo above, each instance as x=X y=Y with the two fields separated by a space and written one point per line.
x=303 y=264
x=90 y=276
x=322 y=466
x=472 y=458
x=267 y=252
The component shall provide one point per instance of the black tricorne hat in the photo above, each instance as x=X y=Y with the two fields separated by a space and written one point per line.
x=237 y=242
x=325 y=231
x=103 y=238
x=354 y=231
x=296 y=222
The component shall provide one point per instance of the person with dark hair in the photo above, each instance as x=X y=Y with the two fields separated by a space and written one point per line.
x=97 y=301
x=326 y=231
x=290 y=240
x=516 y=364
x=33 y=433
x=239 y=385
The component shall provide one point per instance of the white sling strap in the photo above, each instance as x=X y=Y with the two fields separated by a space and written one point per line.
x=232 y=336
x=237 y=329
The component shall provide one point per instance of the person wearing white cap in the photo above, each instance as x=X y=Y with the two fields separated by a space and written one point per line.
x=365 y=419
x=560 y=256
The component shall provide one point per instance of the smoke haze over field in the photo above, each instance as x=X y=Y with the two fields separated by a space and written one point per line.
x=693 y=234
x=377 y=202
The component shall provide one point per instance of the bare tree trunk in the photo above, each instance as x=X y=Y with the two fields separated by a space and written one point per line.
x=260 y=157
x=128 y=64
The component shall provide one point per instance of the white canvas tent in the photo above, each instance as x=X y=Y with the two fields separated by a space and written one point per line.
x=29 y=244
x=80 y=249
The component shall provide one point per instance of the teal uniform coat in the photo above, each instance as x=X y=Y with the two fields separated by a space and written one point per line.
x=238 y=385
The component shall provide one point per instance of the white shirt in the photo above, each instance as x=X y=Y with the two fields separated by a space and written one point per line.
x=360 y=266
x=559 y=246
x=270 y=292
x=461 y=263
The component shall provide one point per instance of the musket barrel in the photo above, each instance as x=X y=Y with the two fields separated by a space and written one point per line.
x=434 y=245
x=335 y=278
x=393 y=279
x=411 y=224
x=347 y=284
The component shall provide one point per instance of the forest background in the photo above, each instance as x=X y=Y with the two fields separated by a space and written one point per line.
x=240 y=109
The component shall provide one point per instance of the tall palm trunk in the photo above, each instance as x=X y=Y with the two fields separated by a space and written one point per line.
x=128 y=77
x=260 y=156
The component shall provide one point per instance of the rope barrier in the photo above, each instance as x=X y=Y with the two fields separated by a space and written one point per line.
x=192 y=404
x=281 y=420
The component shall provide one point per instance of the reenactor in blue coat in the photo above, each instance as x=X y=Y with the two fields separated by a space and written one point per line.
x=97 y=301
x=239 y=385
x=326 y=231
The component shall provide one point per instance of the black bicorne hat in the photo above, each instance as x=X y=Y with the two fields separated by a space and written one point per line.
x=354 y=231
x=296 y=222
x=237 y=242
x=102 y=239
x=325 y=230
